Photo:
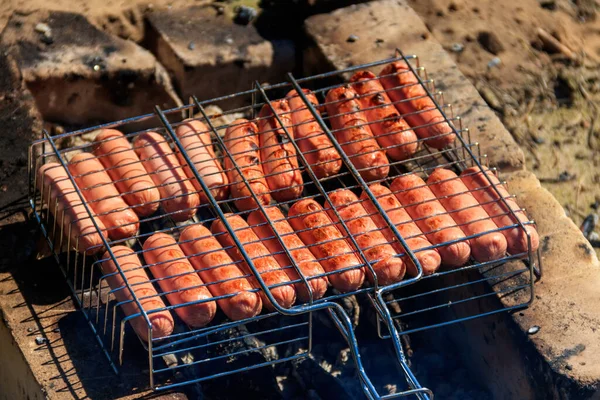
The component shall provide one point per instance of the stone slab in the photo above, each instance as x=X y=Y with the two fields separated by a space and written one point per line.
x=81 y=75
x=20 y=123
x=381 y=27
x=210 y=56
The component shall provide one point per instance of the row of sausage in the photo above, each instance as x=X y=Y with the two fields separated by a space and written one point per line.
x=434 y=217
x=150 y=174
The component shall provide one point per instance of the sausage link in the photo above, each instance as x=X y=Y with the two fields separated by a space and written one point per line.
x=223 y=277
x=302 y=256
x=355 y=136
x=378 y=251
x=325 y=241
x=241 y=140
x=127 y=172
x=320 y=154
x=64 y=203
x=467 y=212
x=433 y=219
x=162 y=321
x=195 y=138
x=270 y=271
x=485 y=194
x=429 y=259
x=177 y=277
x=416 y=107
x=104 y=198
x=178 y=197
x=392 y=132
x=278 y=154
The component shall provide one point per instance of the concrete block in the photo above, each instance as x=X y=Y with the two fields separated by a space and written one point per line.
x=210 y=56
x=382 y=26
x=80 y=75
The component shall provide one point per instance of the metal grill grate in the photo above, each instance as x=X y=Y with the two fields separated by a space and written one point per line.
x=196 y=350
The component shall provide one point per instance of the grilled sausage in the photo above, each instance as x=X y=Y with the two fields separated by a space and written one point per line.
x=302 y=256
x=162 y=321
x=103 y=197
x=178 y=197
x=127 y=172
x=178 y=279
x=278 y=154
x=433 y=219
x=485 y=194
x=265 y=264
x=467 y=212
x=392 y=132
x=355 y=136
x=241 y=140
x=57 y=190
x=410 y=98
x=380 y=254
x=325 y=241
x=318 y=150
x=429 y=259
x=223 y=277
x=194 y=136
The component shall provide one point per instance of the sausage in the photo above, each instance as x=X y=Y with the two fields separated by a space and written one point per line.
x=57 y=190
x=178 y=197
x=433 y=219
x=380 y=254
x=162 y=321
x=418 y=109
x=355 y=136
x=127 y=172
x=302 y=256
x=466 y=211
x=265 y=264
x=392 y=132
x=223 y=277
x=325 y=241
x=429 y=259
x=241 y=140
x=318 y=150
x=103 y=197
x=194 y=136
x=485 y=194
x=178 y=279
x=278 y=154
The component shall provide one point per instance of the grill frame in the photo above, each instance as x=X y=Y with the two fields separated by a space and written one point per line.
x=375 y=292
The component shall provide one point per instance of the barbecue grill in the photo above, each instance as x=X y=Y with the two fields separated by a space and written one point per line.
x=192 y=355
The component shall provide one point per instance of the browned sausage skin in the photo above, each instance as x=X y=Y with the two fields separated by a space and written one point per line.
x=65 y=205
x=433 y=219
x=351 y=129
x=220 y=273
x=162 y=321
x=392 y=132
x=278 y=155
x=328 y=245
x=314 y=144
x=241 y=139
x=378 y=251
x=270 y=271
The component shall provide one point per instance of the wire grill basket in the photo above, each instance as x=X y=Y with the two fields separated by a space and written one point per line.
x=121 y=265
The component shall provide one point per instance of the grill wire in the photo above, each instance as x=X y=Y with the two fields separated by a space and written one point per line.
x=413 y=304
